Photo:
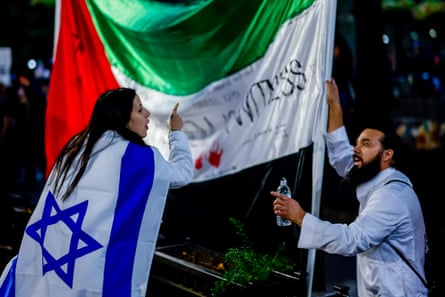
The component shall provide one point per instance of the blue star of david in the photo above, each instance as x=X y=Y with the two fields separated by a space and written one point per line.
x=73 y=218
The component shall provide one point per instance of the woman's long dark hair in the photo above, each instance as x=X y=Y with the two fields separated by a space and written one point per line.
x=112 y=111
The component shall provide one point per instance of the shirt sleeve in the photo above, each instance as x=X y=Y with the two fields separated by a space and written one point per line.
x=180 y=157
x=380 y=217
x=340 y=151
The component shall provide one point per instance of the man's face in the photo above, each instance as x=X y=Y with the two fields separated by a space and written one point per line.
x=368 y=157
x=367 y=147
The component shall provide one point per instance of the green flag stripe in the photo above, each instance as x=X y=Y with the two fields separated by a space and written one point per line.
x=180 y=48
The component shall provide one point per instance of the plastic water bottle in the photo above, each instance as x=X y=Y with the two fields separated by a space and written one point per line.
x=283 y=188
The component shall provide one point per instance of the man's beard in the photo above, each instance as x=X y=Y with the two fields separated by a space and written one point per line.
x=357 y=176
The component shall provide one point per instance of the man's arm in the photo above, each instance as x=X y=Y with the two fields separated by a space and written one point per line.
x=335 y=119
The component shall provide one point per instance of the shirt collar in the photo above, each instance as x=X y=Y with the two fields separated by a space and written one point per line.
x=364 y=188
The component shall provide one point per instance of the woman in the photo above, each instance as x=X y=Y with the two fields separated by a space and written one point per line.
x=94 y=229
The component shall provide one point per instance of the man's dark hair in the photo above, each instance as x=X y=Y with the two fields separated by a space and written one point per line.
x=391 y=141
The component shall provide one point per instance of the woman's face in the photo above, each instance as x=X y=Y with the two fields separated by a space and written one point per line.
x=138 y=122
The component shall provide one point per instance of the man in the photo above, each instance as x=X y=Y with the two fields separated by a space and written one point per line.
x=390 y=214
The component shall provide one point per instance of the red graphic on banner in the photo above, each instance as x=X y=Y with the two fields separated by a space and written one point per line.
x=213 y=157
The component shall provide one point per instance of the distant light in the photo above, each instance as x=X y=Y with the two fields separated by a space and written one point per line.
x=32 y=64
x=414 y=35
x=385 y=39
x=433 y=33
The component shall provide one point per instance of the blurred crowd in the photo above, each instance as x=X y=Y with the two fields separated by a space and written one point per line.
x=22 y=116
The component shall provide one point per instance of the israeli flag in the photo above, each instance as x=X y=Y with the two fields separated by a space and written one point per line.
x=101 y=240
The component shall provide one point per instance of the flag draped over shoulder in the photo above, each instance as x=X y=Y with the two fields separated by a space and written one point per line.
x=101 y=240
x=249 y=75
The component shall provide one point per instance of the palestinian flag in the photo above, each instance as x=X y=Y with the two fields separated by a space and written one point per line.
x=248 y=74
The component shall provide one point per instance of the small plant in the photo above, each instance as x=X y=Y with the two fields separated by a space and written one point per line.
x=245 y=266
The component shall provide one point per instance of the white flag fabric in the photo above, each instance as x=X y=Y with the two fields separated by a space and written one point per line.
x=101 y=240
